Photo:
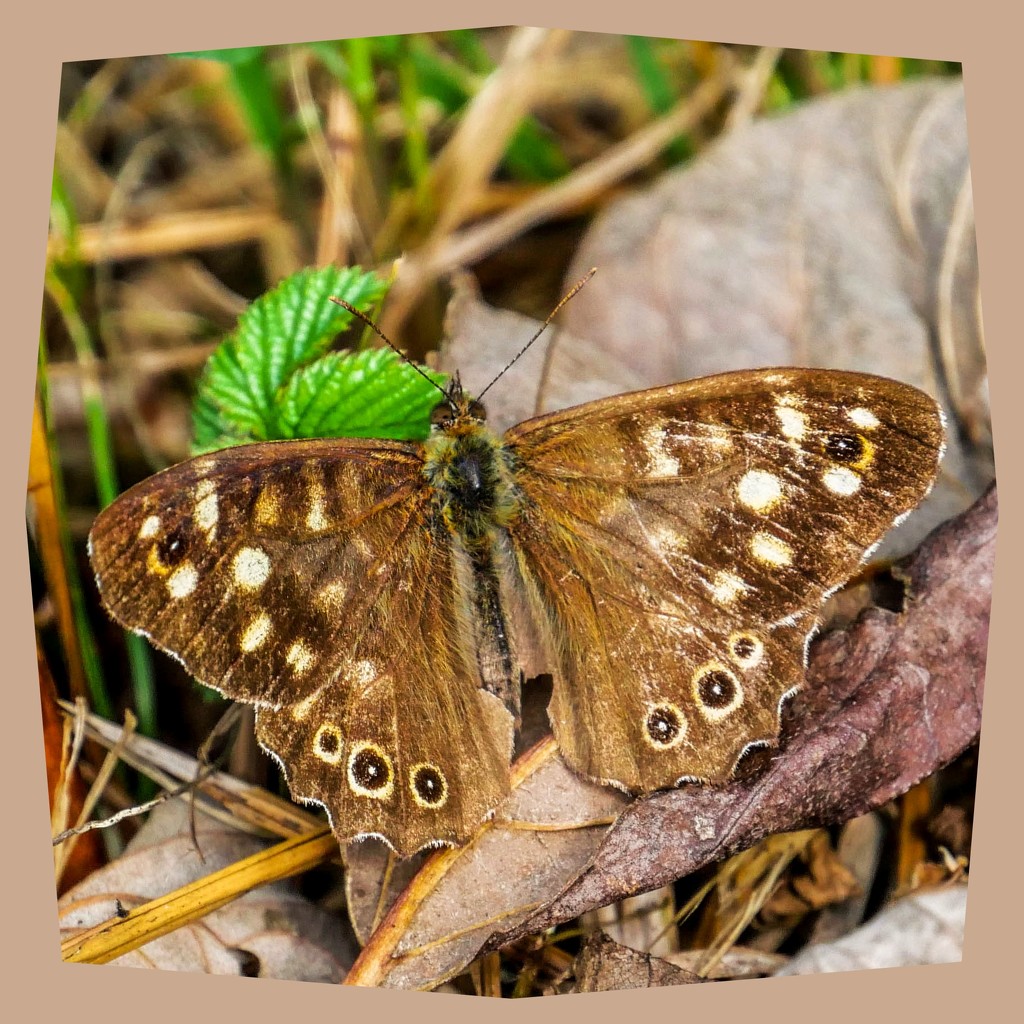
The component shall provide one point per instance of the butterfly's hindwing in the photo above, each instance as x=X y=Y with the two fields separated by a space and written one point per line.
x=679 y=542
x=421 y=753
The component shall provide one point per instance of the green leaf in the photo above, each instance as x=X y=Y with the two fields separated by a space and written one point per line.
x=271 y=378
x=281 y=331
x=359 y=394
x=439 y=76
x=659 y=87
x=211 y=430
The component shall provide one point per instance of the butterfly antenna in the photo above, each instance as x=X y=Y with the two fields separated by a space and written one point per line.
x=387 y=341
x=551 y=316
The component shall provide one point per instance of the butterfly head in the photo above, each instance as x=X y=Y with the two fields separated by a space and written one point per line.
x=457 y=413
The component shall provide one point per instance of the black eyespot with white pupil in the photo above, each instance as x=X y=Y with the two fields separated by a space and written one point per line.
x=845 y=448
x=665 y=726
x=172 y=547
x=429 y=786
x=370 y=770
x=716 y=689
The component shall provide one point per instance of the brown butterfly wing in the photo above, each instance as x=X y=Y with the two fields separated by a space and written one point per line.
x=676 y=545
x=306 y=578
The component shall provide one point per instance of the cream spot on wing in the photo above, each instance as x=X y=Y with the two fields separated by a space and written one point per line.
x=331 y=596
x=363 y=672
x=841 y=481
x=255 y=633
x=727 y=586
x=204 y=464
x=251 y=568
x=207 y=511
x=792 y=421
x=316 y=516
x=759 y=490
x=718 y=436
x=268 y=508
x=327 y=743
x=769 y=549
x=863 y=418
x=150 y=528
x=182 y=581
x=667 y=541
x=300 y=657
x=302 y=709
x=663 y=463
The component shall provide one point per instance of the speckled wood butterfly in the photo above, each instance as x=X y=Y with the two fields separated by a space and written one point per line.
x=665 y=551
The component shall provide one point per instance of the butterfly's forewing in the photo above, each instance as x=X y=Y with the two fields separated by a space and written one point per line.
x=304 y=578
x=676 y=545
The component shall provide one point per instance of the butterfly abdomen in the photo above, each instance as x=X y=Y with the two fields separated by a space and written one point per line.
x=475 y=498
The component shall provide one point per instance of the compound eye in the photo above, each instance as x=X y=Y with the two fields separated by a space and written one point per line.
x=441 y=416
x=477 y=411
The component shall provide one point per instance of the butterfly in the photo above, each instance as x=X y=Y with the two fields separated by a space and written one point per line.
x=664 y=554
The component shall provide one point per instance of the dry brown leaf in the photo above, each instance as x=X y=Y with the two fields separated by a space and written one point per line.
x=605 y=966
x=558 y=370
x=271 y=931
x=738 y=962
x=374 y=879
x=952 y=828
x=859 y=848
x=645 y=922
x=827 y=881
x=541 y=839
